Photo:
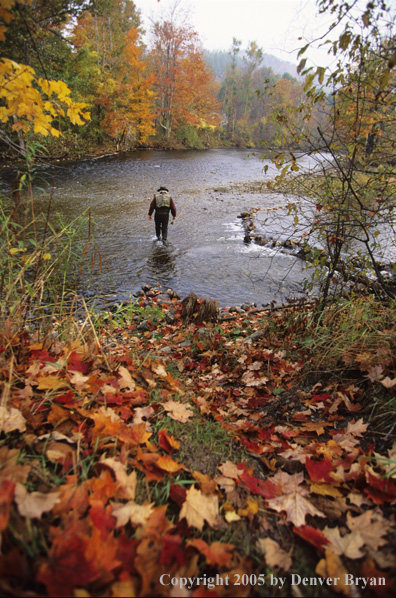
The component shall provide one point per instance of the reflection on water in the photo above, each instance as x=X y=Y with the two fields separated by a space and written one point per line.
x=161 y=261
x=206 y=252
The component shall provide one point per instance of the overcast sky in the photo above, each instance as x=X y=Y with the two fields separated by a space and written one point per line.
x=275 y=25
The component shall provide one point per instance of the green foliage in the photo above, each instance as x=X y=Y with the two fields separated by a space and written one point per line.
x=40 y=263
x=188 y=135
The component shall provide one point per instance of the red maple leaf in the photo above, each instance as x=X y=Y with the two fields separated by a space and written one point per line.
x=380 y=490
x=319 y=470
x=173 y=551
x=67 y=566
x=312 y=535
x=266 y=489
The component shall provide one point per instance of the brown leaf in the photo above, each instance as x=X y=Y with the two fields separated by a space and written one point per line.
x=178 y=411
x=126 y=380
x=358 y=428
x=11 y=420
x=349 y=544
x=387 y=382
x=78 y=380
x=199 y=508
x=296 y=507
x=141 y=414
x=372 y=532
x=275 y=556
x=159 y=369
x=34 y=504
x=131 y=511
x=230 y=470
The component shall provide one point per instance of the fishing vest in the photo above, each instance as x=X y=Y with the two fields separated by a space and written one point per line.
x=162 y=200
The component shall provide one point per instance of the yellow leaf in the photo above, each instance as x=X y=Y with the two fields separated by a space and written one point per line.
x=325 y=490
x=50 y=383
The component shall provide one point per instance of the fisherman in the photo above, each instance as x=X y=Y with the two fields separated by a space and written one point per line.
x=162 y=203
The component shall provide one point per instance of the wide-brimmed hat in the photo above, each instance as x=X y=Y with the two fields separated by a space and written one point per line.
x=162 y=189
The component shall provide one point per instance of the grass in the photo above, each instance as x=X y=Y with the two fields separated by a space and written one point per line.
x=205 y=444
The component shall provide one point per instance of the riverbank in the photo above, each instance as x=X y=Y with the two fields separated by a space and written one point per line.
x=253 y=451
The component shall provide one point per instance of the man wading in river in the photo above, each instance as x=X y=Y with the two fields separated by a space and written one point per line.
x=162 y=203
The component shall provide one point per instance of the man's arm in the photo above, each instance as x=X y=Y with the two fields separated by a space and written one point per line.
x=173 y=208
x=152 y=208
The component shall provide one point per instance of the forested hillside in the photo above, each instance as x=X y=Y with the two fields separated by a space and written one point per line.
x=170 y=93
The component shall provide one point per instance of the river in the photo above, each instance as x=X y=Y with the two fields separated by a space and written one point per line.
x=206 y=253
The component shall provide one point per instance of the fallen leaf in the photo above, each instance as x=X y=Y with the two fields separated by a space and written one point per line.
x=349 y=544
x=34 y=504
x=231 y=516
x=332 y=566
x=325 y=490
x=6 y=495
x=226 y=484
x=167 y=442
x=372 y=532
x=142 y=414
x=159 y=369
x=126 y=380
x=127 y=482
x=207 y=484
x=250 y=509
x=312 y=535
x=358 y=428
x=216 y=553
x=166 y=463
x=275 y=556
x=51 y=383
x=296 y=507
x=178 y=411
x=131 y=511
x=229 y=470
x=199 y=508
x=78 y=380
x=387 y=382
x=11 y=420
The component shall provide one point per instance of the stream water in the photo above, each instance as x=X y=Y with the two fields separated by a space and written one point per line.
x=206 y=252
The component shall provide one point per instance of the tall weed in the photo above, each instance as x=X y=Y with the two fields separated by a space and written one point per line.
x=40 y=262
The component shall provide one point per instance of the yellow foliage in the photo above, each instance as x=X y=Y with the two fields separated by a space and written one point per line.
x=30 y=102
x=33 y=103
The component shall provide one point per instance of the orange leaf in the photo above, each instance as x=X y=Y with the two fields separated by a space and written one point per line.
x=50 y=383
x=332 y=566
x=206 y=484
x=166 y=463
x=216 y=553
x=167 y=442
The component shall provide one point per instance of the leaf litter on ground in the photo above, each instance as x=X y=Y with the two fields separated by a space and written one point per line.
x=190 y=451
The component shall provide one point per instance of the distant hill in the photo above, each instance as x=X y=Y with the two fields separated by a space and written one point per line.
x=218 y=60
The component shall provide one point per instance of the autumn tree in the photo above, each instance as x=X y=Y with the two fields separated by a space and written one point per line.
x=113 y=73
x=353 y=198
x=183 y=83
x=30 y=103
